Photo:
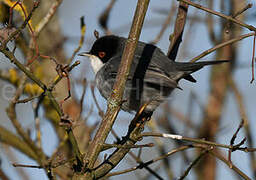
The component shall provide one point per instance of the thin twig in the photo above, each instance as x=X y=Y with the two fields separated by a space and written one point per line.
x=27 y=99
x=109 y=146
x=12 y=35
x=132 y=136
x=42 y=24
x=101 y=113
x=58 y=78
x=232 y=141
x=236 y=169
x=136 y=158
x=220 y=46
x=253 y=57
x=13 y=117
x=229 y=18
x=48 y=92
x=81 y=41
x=29 y=74
x=243 y=115
x=195 y=140
x=27 y=166
x=84 y=85
x=203 y=153
x=242 y=10
x=182 y=148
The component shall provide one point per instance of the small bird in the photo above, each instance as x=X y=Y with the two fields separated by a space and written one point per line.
x=152 y=78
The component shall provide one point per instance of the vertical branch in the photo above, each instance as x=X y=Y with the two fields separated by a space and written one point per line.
x=243 y=115
x=176 y=37
x=203 y=153
x=115 y=99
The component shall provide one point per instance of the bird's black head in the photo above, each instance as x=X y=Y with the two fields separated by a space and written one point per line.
x=107 y=46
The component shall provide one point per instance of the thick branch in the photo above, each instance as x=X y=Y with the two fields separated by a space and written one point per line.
x=115 y=100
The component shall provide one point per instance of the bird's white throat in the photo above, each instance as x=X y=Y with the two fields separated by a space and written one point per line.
x=96 y=63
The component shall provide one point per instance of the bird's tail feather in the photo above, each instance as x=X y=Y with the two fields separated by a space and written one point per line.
x=192 y=67
x=189 y=68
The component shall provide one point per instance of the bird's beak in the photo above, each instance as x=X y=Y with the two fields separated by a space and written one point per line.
x=85 y=54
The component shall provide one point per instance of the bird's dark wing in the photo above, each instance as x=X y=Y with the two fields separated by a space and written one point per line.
x=142 y=70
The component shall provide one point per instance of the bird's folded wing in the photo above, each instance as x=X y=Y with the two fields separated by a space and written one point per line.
x=149 y=73
x=159 y=79
x=152 y=78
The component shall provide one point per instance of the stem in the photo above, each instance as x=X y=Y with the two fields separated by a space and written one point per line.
x=229 y=18
x=115 y=99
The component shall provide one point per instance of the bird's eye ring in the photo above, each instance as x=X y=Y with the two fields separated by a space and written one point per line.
x=102 y=54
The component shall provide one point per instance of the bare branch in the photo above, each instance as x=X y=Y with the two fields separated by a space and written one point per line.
x=115 y=100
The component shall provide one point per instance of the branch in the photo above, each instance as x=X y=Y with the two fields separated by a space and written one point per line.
x=229 y=18
x=13 y=117
x=204 y=152
x=137 y=157
x=197 y=141
x=120 y=146
x=48 y=92
x=42 y=24
x=26 y=21
x=176 y=37
x=135 y=128
x=223 y=44
x=30 y=75
x=81 y=41
x=115 y=99
x=140 y=166
x=236 y=169
x=10 y=139
x=243 y=115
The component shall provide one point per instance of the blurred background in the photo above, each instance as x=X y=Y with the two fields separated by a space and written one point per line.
x=194 y=111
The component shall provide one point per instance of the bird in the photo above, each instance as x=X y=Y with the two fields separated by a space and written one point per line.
x=152 y=77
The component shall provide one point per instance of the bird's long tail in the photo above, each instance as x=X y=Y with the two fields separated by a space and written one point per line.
x=189 y=68
x=192 y=67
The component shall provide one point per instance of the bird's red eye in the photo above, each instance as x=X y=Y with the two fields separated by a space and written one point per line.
x=102 y=54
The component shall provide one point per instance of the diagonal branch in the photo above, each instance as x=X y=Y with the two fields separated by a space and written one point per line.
x=224 y=160
x=115 y=99
x=221 y=45
x=133 y=135
x=176 y=37
x=9 y=138
x=229 y=18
